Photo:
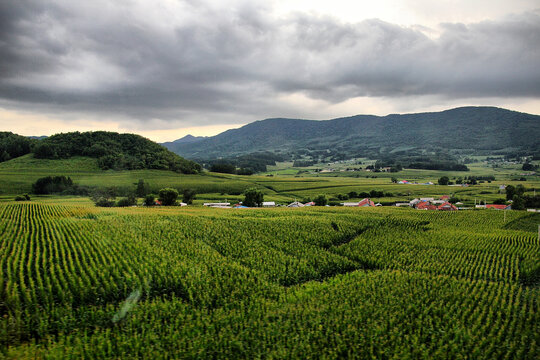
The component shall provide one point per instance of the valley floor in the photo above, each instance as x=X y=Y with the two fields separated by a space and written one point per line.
x=79 y=281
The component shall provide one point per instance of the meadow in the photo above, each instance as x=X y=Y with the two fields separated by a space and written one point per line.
x=17 y=176
x=80 y=281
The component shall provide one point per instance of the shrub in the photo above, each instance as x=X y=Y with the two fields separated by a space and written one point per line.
x=168 y=196
x=20 y=198
x=149 y=200
x=320 y=200
x=129 y=201
x=104 y=202
x=188 y=196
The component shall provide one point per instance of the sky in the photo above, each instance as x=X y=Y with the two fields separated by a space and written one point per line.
x=168 y=68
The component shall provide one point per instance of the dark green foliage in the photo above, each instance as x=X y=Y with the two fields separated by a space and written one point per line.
x=518 y=203
x=512 y=191
x=529 y=167
x=128 y=201
x=223 y=167
x=453 y=200
x=443 y=180
x=149 y=200
x=188 y=196
x=13 y=145
x=500 y=201
x=104 y=202
x=168 y=196
x=479 y=128
x=142 y=188
x=52 y=185
x=20 y=198
x=114 y=151
x=253 y=198
x=320 y=200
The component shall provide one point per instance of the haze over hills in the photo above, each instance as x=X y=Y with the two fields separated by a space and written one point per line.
x=487 y=129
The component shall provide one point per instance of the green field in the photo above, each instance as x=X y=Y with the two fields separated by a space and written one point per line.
x=86 y=282
x=17 y=176
x=79 y=281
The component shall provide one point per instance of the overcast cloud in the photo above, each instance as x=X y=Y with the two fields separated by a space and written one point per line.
x=186 y=63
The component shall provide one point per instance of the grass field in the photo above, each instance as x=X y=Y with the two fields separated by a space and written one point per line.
x=84 y=282
x=17 y=176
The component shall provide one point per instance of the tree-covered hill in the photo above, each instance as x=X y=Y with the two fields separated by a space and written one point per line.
x=13 y=145
x=114 y=151
x=487 y=129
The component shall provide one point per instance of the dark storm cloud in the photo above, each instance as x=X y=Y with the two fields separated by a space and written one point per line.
x=141 y=62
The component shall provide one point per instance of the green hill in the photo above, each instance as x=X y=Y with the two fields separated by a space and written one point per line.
x=114 y=151
x=484 y=129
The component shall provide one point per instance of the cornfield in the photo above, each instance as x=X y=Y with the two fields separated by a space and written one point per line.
x=79 y=281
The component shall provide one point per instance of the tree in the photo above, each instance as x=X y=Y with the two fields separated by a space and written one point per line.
x=320 y=200
x=253 y=198
x=142 y=189
x=518 y=203
x=149 y=200
x=394 y=180
x=188 y=196
x=444 y=180
x=528 y=167
x=510 y=190
x=168 y=196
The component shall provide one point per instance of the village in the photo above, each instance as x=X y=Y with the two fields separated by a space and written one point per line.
x=427 y=203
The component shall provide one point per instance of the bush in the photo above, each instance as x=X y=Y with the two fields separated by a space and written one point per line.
x=129 y=201
x=444 y=180
x=253 y=198
x=52 y=184
x=321 y=200
x=20 y=198
x=168 y=196
x=188 y=196
x=104 y=202
x=149 y=200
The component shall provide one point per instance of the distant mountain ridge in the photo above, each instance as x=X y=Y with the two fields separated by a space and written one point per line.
x=474 y=128
x=188 y=139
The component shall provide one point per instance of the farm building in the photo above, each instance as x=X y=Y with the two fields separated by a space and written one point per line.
x=498 y=206
x=295 y=204
x=269 y=203
x=447 y=207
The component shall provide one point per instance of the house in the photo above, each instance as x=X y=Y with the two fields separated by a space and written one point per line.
x=362 y=203
x=427 y=199
x=445 y=197
x=269 y=203
x=402 y=204
x=498 y=206
x=414 y=202
x=295 y=204
x=182 y=204
x=366 y=202
x=447 y=207
x=425 y=205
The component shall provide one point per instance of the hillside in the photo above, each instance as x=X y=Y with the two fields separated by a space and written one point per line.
x=114 y=151
x=486 y=129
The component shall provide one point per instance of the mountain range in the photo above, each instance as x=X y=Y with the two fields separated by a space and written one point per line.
x=487 y=129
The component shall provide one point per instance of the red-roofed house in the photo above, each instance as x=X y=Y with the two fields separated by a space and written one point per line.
x=366 y=202
x=447 y=207
x=425 y=205
x=498 y=207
